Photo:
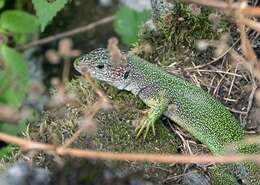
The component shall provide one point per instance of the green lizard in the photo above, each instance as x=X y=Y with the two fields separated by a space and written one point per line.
x=187 y=105
x=184 y=103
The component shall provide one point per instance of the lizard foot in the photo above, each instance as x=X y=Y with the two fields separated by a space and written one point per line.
x=157 y=106
x=144 y=127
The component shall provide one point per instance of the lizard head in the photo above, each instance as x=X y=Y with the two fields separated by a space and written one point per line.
x=99 y=65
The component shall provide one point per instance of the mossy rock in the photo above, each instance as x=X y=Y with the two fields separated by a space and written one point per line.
x=115 y=129
x=220 y=175
x=175 y=40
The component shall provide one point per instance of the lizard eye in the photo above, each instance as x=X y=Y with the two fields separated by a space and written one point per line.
x=100 y=66
x=126 y=74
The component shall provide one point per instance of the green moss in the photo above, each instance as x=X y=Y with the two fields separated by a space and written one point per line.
x=248 y=148
x=124 y=99
x=115 y=129
x=247 y=172
x=221 y=176
x=178 y=33
x=116 y=132
x=184 y=28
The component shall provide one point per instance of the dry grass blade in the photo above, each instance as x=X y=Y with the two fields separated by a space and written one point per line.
x=239 y=11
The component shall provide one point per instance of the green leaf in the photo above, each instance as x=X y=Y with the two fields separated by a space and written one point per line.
x=2 y=3
x=13 y=85
x=12 y=129
x=19 y=22
x=128 y=23
x=20 y=38
x=13 y=78
x=5 y=151
x=46 y=11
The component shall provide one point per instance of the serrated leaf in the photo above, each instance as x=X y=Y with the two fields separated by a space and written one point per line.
x=46 y=11
x=19 y=22
x=128 y=23
x=14 y=76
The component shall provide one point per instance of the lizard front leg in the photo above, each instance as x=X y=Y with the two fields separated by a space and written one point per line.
x=158 y=105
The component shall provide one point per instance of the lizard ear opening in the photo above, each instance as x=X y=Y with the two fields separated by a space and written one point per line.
x=100 y=66
x=126 y=74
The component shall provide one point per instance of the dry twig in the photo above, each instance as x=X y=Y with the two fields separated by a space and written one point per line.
x=91 y=154
x=102 y=103
x=68 y=33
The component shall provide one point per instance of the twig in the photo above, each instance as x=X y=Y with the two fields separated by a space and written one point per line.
x=253 y=24
x=214 y=60
x=89 y=114
x=218 y=85
x=218 y=71
x=247 y=50
x=251 y=97
x=184 y=141
x=12 y=116
x=66 y=70
x=102 y=102
x=232 y=82
x=251 y=11
x=91 y=154
x=237 y=111
x=68 y=33
x=214 y=4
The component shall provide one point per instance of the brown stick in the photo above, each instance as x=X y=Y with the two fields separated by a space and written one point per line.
x=68 y=33
x=251 y=11
x=91 y=154
x=66 y=70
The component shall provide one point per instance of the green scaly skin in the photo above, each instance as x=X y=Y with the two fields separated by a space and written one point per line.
x=187 y=105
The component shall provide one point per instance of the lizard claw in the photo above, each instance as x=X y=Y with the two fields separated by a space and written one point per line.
x=144 y=127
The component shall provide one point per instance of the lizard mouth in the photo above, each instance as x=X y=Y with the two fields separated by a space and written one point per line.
x=82 y=68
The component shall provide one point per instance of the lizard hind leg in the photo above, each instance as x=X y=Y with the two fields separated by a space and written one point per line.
x=158 y=106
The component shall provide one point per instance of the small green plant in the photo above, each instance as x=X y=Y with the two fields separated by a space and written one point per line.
x=128 y=23
x=14 y=73
x=185 y=26
x=46 y=10
x=16 y=26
